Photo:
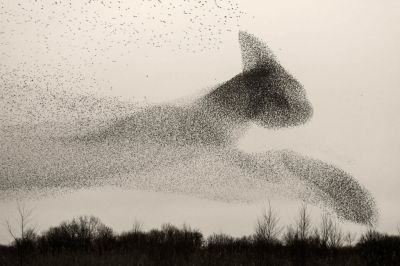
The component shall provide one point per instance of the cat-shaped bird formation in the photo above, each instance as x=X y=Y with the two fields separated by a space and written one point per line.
x=191 y=148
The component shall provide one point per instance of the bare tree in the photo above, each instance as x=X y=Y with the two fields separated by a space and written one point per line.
x=303 y=223
x=25 y=232
x=187 y=228
x=23 y=221
x=330 y=233
x=325 y=228
x=87 y=227
x=335 y=236
x=290 y=235
x=349 y=238
x=370 y=235
x=137 y=226
x=267 y=227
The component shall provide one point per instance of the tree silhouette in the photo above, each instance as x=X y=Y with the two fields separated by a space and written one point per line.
x=303 y=223
x=267 y=226
x=23 y=222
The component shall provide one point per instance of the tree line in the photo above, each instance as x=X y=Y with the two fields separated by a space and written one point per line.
x=85 y=240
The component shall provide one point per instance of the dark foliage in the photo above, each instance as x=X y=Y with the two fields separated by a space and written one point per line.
x=87 y=241
x=380 y=249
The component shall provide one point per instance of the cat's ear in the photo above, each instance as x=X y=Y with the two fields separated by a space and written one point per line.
x=255 y=53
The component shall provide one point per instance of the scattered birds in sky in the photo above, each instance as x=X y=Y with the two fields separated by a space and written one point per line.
x=65 y=45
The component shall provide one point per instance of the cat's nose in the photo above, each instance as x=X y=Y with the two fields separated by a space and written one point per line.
x=301 y=113
x=291 y=115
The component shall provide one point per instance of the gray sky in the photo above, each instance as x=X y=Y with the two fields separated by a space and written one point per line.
x=345 y=53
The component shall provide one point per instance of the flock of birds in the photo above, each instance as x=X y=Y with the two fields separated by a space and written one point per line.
x=98 y=26
x=50 y=48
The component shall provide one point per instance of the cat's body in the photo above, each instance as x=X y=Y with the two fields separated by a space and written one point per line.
x=192 y=148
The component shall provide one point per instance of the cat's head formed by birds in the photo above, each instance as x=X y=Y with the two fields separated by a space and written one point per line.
x=264 y=93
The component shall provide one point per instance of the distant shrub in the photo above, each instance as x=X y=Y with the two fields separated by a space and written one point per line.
x=219 y=240
x=83 y=233
x=379 y=249
x=168 y=238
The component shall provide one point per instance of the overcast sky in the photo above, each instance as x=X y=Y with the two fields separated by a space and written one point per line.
x=345 y=53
